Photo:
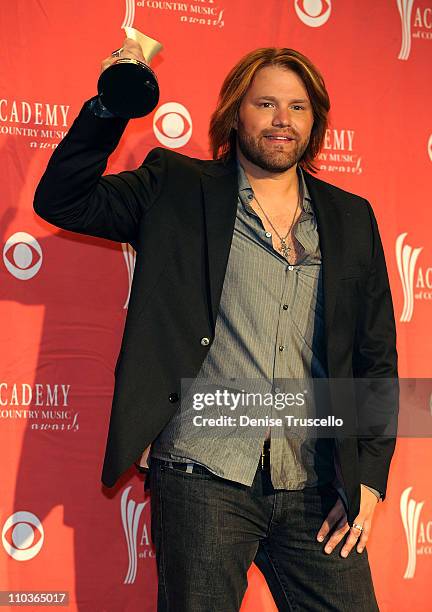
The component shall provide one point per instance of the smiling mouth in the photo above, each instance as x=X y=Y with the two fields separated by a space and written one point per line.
x=279 y=138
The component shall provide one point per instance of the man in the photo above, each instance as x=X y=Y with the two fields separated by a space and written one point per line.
x=247 y=267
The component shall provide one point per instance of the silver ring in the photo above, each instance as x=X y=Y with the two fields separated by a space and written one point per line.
x=357 y=526
x=117 y=52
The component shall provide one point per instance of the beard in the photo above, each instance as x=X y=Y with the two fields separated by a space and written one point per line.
x=272 y=159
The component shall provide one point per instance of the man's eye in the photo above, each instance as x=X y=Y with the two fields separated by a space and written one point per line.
x=266 y=103
x=298 y=107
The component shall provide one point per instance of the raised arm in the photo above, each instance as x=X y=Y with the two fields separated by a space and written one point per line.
x=73 y=194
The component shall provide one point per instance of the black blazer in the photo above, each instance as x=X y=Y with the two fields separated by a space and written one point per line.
x=178 y=213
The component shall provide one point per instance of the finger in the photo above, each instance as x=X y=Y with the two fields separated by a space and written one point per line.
x=341 y=529
x=107 y=62
x=364 y=535
x=112 y=59
x=352 y=539
x=133 y=47
x=124 y=52
x=130 y=43
x=335 y=515
x=132 y=55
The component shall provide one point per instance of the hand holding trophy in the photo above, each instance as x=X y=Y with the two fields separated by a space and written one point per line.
x=127 y=85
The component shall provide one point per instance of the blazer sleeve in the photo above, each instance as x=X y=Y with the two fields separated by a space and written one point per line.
x=72 y=193
x=375 y=359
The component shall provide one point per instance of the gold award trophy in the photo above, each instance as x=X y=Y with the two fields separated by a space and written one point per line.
x=129 y=88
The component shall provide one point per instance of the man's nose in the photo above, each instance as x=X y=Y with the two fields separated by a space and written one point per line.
x=282 y=116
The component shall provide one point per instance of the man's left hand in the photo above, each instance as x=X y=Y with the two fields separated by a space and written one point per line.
x=337 y=520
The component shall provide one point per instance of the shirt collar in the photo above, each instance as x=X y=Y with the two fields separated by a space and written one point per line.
x=245 y=189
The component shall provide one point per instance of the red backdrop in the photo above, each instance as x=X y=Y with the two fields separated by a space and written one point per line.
x=64 y=296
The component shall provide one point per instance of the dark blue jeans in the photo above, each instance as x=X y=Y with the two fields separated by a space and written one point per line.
x=207 y=531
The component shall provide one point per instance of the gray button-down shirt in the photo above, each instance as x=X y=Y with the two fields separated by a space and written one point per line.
x=269 y=329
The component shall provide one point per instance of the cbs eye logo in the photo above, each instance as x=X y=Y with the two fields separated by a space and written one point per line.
x=22 y=255
x=22 y=535
x=313 y=13
x=172 y=125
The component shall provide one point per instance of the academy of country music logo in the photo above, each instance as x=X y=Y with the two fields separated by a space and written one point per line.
x=313 y=13
x=45 y=406
x=418 y=533
x=22 y=535
x=417 y=25
x=43 y=121
x=198 y=12
x=339 y=153
x=129 y=255
x=416 y=280
x=22 y=255
x=172 y=125
x=136 y=534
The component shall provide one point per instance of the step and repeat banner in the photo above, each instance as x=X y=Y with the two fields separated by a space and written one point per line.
x=64 y=297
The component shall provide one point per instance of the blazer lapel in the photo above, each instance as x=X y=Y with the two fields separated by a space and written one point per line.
x=220 y=191
x=330 y=234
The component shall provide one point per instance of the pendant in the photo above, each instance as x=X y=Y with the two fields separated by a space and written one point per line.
x=284 y=248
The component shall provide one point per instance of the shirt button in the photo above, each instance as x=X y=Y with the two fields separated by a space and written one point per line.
x=285 y=306
x=250 y=197
x=205 y=341
x=268 y=234
x=290 y=267
x=282 y=347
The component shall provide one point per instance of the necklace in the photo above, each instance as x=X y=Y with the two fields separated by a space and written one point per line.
x=284 y=248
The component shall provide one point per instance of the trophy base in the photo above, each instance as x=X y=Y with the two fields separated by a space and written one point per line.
x=128 y=89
